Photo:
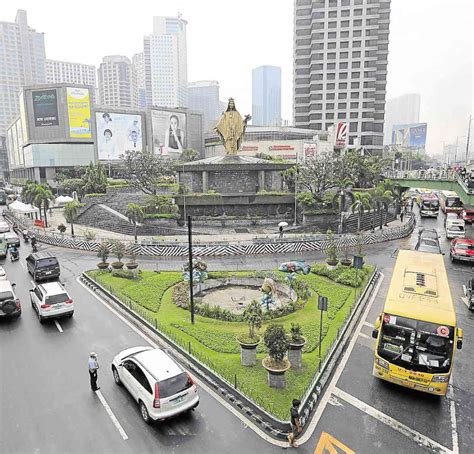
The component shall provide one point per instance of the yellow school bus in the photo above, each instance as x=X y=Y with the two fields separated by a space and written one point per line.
x=416 y=334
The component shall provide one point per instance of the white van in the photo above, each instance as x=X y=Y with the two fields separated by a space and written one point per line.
x=455 y=228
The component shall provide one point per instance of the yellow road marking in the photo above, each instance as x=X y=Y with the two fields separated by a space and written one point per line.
x=327 y=444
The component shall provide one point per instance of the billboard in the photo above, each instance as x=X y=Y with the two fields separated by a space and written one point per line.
x=411 y=135
x=309 y=150
x=79 y=113
x=116 y=133
x=45 y=107
x=341 y=134
x=169 y=132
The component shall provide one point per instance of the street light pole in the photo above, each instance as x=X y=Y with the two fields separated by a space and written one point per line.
x=190 y=253
x=296 y=185
x=468 y=139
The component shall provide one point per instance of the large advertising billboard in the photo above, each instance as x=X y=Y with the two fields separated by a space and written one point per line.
x=45 y=107
x=341 y=134
x=79 y=113
x=117 y=133
x=169 y=132
x=411 y=135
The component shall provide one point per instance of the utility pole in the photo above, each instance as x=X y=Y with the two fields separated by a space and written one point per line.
x=190 y=253
x=456 y=150
x=468 y=139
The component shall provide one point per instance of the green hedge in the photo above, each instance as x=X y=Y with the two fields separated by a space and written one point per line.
x=343 y=274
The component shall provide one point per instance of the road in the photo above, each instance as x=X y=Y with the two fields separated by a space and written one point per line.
x=47 y=405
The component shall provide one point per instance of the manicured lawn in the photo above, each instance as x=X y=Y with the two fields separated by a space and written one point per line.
x=214 y=341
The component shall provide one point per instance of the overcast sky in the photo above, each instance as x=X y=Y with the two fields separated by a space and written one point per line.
x=430 y=46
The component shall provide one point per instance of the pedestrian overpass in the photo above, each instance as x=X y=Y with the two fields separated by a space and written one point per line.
x=440 y=180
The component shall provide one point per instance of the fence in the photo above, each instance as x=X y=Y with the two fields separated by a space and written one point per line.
x=258 y=246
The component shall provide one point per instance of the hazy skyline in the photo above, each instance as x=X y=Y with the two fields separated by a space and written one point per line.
x=430 y=49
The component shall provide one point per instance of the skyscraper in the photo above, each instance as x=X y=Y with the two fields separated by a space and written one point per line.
x=203 y=96
x=58 y=72
x=266 y=96
x=116 y=88
x=402 y=110
x=165 y=58
x=22 y=62
x=340 y=67
x=138 y=71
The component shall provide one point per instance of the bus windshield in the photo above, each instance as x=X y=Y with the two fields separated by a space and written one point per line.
x=453 y=202
x=416 y=345
x=430 y=204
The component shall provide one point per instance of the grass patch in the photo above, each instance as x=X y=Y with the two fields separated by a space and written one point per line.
x=214 y=341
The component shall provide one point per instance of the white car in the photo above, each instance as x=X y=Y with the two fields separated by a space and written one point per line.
x=51 y=300
x=160 y=386
x=3 y=274
x=4 y=227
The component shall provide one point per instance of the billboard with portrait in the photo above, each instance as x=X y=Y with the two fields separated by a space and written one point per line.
x=169 y=132
x=116 y=133
x=410 y=135
x=79 y=113
x=45 y=107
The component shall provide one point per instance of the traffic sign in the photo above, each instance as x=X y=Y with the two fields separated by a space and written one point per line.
x=322 y=303
x=327 y=444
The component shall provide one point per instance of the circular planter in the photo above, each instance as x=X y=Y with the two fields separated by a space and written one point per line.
x=331 y=264
x=117 y=265
x=131 y=265
x=248 y=352
x=103 y=266
x=295 y=353
x=346 y=262
x=276 y=373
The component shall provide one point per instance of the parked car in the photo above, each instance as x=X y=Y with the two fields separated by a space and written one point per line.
x=3 y=274
x=42 y=266
x=455 y=228
x=51 y=300
x=160 y=386
x=12 y=239
x=4 y=227
x=467 y=215
x=462 y=249
x=9 y=303
x=470 y=293
x=428 y=241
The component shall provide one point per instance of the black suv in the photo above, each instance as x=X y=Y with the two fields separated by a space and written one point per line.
x=43 y=266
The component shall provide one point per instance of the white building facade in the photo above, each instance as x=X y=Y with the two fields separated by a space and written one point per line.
x=116 y=82
x=58 y=72
x=22 y=62
x=203 y=96
x=340 y=67
x=165 y=60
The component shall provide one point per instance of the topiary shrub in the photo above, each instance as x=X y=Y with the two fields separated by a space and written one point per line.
x=276 y=343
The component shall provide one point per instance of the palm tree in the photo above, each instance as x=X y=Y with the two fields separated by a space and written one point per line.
x=29 y=191
x=360 y=205
x=71 y=212
x=135 y=215
x=42 y=198
x=382 y=198
x=344 y=192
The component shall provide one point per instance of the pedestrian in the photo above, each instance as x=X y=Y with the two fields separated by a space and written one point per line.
x=295 y=423
x=412 y=204
x=281 y=231
x=93 y=368
x=401 y=216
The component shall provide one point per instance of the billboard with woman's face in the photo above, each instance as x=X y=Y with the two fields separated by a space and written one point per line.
x=117 y=133
x=169 y=133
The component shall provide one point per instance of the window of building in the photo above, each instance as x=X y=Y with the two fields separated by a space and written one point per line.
x=329 y=105
x=342 y=85
x=318 y=36
x=366 y=126
x=332 y=3
x=355 y=64
x=358 y=23
x=357 y=33
x=355 y=84
x=332 y=24
x=332 y=35
x=316 y=116
x=344 y=23
x=318 y=26
x=356 y=43
x=342 y=75
x=355 y=95
x=344 y=44
x=317 y=126
x=317 y=67
x=344 y=55
x=330 y=76
x=331 y=56
x=317 y=106
x=354 y=115
x=342 y=105
x=354 y=105
x=341 y=115
x=330 y=86
x=318 y=15
x=330 y=96
x=316 y=97
x=358 y=12
x=343 y=65
x=353 y=126
x=332 y=14
x=345 y=13
x=331 y=66
x=368 y=114
x=344 y=34
x=328 y=125
x=342 y=94
x=355 y=74
x=345 y=2
x=356 y=54
x=329 y=116
x=331 y=45
x=368 y=95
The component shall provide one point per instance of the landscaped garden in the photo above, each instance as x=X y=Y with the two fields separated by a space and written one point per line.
x=217 y=335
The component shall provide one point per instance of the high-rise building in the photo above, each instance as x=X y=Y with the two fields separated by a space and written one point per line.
x=165 y=56
x=138 y=71
x=3 y=158
x=116 y=82
x=58 y=72
x=402 y=110
x=203 y=96
x=22 y=62
x=340 y=67
x=266 y=96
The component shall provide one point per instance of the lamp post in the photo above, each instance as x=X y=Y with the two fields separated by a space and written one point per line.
x=296 y=186
x=468 y=140
x=190 y=254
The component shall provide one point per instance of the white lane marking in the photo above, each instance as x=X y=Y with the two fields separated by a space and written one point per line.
x=324 y=400
x=370 y=325
x=414 y=435
x=464 y=300
x=58 y=326
x=111 y=415
x=454 y=426
x=365 y=336
x=22 y=264
x=220 y=399
x=32 y=283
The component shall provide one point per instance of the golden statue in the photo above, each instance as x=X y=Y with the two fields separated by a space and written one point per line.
x=231 y=128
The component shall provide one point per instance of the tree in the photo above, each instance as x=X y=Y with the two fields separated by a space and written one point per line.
x=382 y=198
x=360 y=205
x=189 y=154
x=135 y=215
x=94 y=179
x=71 y=212
x=29 y=191
x=42 y=199
x=364 y=171
x=276 y=342
x=253 y=315
x=144 y=170
x=118 y=249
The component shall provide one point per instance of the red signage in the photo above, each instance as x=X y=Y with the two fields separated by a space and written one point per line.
x=341 y=134
x=281 y=148
x=249 y=148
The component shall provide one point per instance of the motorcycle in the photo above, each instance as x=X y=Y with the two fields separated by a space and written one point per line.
x=469 y=292
x=26 y=237
x=14 y=256
x=34 y=247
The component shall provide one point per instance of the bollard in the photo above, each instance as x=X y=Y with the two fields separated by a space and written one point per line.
x=235 y=381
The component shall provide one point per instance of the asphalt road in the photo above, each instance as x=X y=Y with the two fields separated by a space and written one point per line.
x=47 y=405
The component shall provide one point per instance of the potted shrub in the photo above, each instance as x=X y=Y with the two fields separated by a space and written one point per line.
x=296 y=342
x=62 y=228
x=103 y=254
x=359 y=249
x=118 y=249
x=132 y=263
x=275 y=363
x=253 y=315
x=346 y=261
x=331 y=252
